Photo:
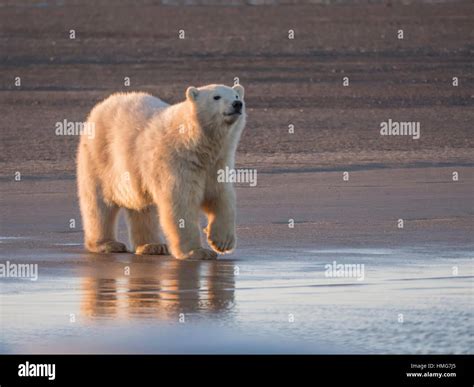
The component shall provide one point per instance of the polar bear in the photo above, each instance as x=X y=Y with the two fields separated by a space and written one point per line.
x=160 y=162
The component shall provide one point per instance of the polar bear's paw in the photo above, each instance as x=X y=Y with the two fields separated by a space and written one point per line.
x=152 y=249
x=111 y=247
x=201 y=254
x=222 y=242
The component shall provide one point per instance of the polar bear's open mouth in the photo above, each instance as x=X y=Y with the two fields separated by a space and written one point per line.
x=233 y=114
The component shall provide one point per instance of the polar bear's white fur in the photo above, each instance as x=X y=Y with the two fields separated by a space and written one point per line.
x=159 y=162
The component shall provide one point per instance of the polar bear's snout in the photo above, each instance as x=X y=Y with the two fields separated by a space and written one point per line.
x=237 y=105
x=235 y=109
x=233 y=112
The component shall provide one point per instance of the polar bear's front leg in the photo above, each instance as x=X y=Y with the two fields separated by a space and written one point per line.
x=220 y=209
x=179 y=218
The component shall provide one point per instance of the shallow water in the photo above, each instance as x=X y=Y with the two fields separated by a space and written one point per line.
x=272 y=295
x=260 y=301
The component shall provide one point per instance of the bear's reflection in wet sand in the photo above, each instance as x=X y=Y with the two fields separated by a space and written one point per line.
x=168 y=289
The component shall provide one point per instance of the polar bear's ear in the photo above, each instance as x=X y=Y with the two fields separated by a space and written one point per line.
x=192 y=93
x=240 y=90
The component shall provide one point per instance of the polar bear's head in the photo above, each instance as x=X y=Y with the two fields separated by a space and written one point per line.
x=218 y=104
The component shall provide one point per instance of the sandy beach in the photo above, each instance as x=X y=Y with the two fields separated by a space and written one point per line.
x=273 y=295
x=287 y=82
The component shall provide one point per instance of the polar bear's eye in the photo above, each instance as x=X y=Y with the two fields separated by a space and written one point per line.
x=217 y=97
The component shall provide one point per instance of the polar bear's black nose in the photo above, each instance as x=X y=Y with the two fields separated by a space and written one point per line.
x=237 y=105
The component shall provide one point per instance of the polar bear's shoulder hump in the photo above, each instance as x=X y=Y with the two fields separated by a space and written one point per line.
x=134 y=98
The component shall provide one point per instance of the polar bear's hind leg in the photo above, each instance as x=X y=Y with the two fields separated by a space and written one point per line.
x=100 y=222
x=143 y=229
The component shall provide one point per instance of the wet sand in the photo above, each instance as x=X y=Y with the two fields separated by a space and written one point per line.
x=271 y=295
x=244 y=302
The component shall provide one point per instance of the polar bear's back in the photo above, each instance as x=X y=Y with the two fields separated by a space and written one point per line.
x=119 y=120
x=111 y=156
x=126 y=110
